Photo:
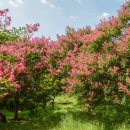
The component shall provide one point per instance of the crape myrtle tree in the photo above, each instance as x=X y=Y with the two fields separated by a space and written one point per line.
x=100 y=68
x=9 y=69
x=25 y=67
x=4 y=22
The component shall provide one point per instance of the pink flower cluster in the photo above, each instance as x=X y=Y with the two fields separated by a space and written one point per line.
x=30 y=28
x=5 y=20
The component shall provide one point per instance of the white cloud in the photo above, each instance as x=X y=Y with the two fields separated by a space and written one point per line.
x=73 y=17
x=122 y=1
x=19 y=1
x=46 y=2
x=79 y=1
x=15 y=3
x=103 y=15
x=52 y=6
x=125 y=1
x=12 y=3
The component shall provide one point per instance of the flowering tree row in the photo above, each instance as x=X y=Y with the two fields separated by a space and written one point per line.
x=92 y=63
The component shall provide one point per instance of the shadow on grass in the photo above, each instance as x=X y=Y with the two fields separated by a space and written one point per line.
x=40 y=121
x=110 y=117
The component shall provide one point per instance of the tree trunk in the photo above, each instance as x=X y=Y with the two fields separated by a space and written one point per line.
x=53 y=103
x=16 y=107
x=3 y=117
x=44 y=103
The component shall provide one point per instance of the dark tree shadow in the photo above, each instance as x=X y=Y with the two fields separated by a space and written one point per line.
x=43 y=120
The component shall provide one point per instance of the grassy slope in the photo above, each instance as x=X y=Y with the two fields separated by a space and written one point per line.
x=70 y=117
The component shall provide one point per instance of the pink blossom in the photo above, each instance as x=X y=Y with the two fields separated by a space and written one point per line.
x=90 y=99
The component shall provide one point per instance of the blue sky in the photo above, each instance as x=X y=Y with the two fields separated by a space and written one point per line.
x=55 y=15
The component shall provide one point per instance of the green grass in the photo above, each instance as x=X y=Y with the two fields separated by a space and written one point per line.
x=70 y=117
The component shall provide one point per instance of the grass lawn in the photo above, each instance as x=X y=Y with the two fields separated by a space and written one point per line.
x=70 y=117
